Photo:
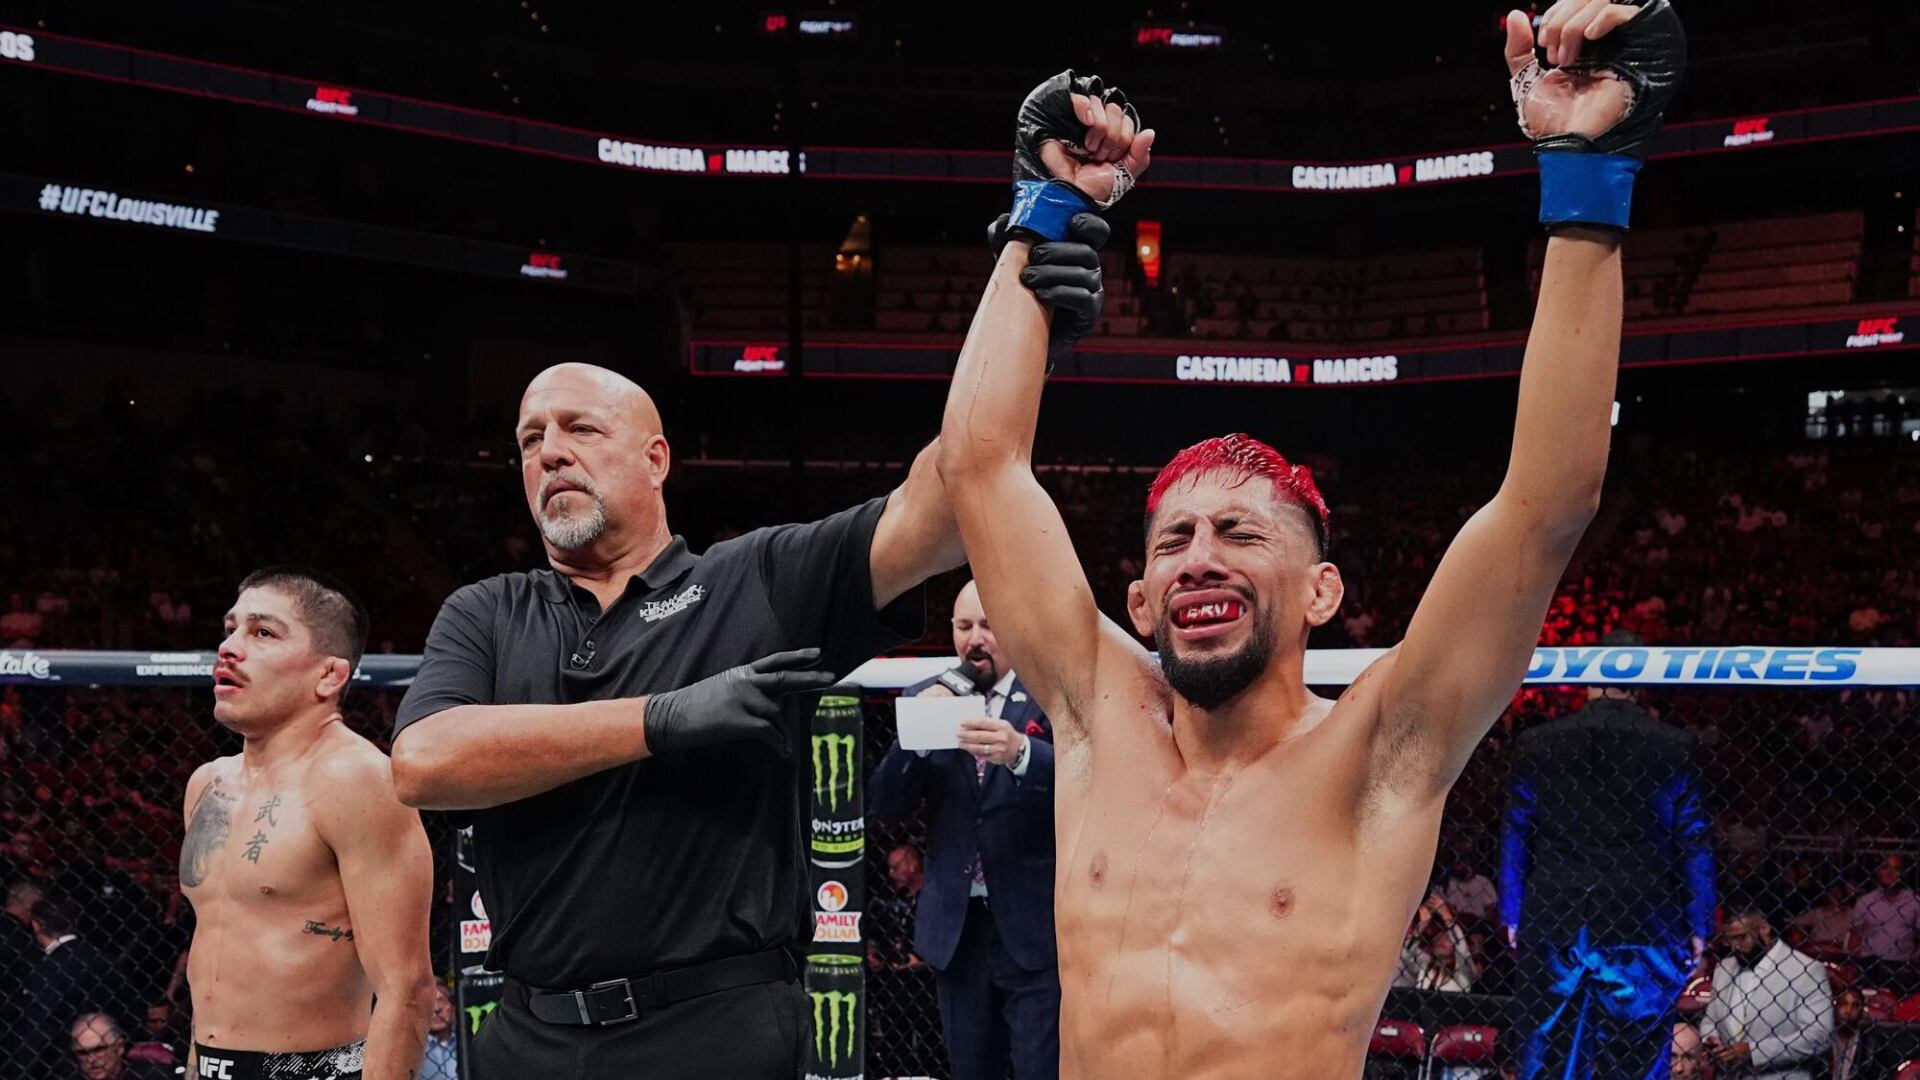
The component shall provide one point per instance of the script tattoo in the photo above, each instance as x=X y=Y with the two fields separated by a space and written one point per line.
x=258 y=841
x=266 y=811
x=206 y=833
x=319 y=929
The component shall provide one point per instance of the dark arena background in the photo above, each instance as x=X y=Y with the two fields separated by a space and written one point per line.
x=275 y=275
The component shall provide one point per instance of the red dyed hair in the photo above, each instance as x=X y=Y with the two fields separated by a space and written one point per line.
x=1246 y=457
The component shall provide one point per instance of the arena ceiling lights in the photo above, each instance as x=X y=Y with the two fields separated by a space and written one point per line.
x=341 y=104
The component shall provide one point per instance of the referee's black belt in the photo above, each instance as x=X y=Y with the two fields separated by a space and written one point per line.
x=616 y=1001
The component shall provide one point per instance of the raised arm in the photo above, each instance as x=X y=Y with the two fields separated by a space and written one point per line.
x=1016 y=542
x=916 y=536
x=386 y=871
x=1474 y=631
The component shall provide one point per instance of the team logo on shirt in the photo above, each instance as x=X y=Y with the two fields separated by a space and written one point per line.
x=655 y=610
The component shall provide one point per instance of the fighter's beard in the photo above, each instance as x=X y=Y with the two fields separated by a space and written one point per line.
x=1211 y=682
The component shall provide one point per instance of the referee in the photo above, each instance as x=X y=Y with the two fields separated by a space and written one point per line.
x=611 y=728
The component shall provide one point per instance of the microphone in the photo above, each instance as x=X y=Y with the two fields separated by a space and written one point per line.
x=580 y=662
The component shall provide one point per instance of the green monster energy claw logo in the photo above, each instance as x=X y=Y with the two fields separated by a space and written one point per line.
x=828 y=783
x=832 y=1011
x=477 y=1013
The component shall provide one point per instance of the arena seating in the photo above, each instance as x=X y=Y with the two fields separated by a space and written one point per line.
x=1732 y=268
x=1262 y=297
x=739 y=288
x=1913 y=260
x=1739 y=267
x=728 y=288
x=934 y=290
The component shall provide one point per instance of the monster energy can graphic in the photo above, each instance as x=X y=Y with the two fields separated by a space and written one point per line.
x=839 y=825
x=836 y=976
x=836 y=987
x=476 y=994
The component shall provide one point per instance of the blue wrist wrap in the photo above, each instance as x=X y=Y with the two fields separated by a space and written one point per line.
x=1586 y=189
x=1045 y=206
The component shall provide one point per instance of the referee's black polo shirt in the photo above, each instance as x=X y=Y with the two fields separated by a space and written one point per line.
x=673 y=860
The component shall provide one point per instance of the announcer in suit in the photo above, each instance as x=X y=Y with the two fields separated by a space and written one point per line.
x=1606 y=886
x=984 y=922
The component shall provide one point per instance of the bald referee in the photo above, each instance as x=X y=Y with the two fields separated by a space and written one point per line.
x=613 y=729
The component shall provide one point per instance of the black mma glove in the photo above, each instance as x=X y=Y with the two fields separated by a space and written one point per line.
x=1043 y=202
x=1064 y=275
x=1588 y=179
x=739 y=703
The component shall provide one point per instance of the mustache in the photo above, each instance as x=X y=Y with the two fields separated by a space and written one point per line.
x=580 y=482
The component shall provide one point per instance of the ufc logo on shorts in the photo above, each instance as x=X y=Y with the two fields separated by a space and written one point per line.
x=216 y=1068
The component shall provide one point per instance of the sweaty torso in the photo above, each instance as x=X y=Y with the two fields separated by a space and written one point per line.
x=1239 y=925
x=273 y=965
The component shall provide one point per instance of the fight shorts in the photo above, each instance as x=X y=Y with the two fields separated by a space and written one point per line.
x=339 y=1063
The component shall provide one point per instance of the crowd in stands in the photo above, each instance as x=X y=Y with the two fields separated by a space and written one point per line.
x=1694 y=544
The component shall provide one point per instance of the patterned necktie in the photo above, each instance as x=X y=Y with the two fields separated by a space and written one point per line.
x=980 y=763
x=980 y=774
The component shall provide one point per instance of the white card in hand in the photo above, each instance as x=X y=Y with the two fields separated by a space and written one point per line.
x=933 y=723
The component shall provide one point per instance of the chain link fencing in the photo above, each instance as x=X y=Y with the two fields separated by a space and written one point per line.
x=1773 y=818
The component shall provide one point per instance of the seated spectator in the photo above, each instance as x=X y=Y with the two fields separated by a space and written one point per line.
x=165 y=1035
x=1436 y=955
x=1849 y=1057
x=100 y=1051
x=1886 y=922
x=1795 y=890
x=1772 y=1010
x=442 y=1060
x=1824 y=927
x=1471 y=893
x=893 y=915
x=1689 y=1054
x=21 y=626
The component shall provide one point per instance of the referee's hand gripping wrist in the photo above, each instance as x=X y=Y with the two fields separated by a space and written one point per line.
x=741 y=703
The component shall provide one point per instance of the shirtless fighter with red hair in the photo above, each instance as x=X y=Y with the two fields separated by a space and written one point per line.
x=1237 y=856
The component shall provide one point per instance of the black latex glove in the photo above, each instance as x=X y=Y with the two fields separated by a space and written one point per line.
x=739 y=703
x=1064 y=275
